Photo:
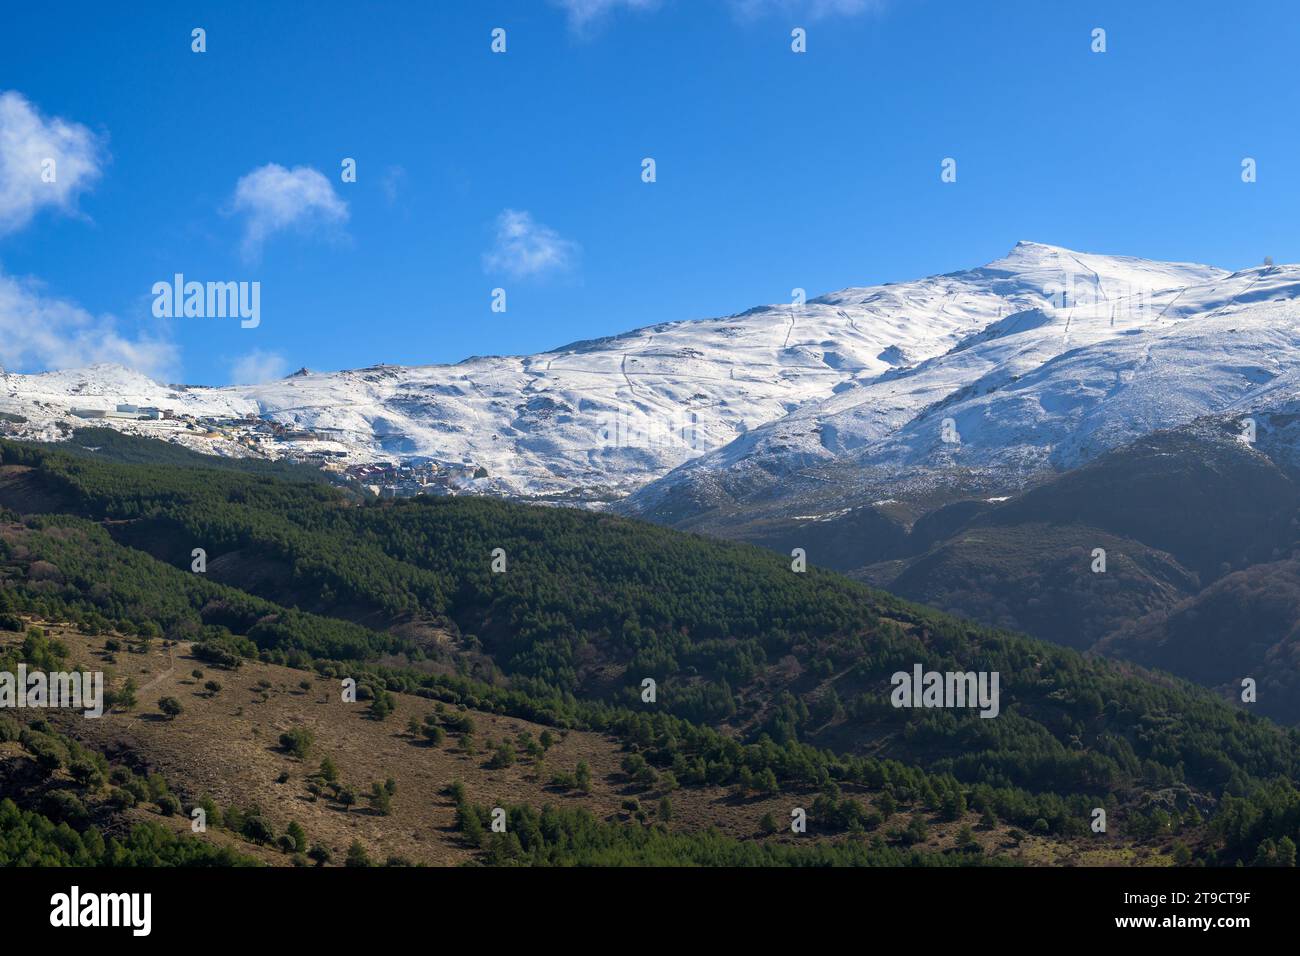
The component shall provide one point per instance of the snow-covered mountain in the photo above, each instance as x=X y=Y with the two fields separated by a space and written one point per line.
x=978 y=379
x=592 y=419
x=1034 y=393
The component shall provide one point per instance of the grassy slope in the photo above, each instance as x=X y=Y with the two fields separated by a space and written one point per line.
x=225 y=746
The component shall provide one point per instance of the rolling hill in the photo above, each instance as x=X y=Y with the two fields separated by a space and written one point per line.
x=770 y=682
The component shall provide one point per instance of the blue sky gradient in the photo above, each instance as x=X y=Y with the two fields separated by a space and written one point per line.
x=775 y=170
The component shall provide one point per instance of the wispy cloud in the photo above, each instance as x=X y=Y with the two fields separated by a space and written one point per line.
x=273 y=199
x=392 y=181
x=256 y=367
x=812 y=9
x=40 y=333
x=525 y=248
x=28 y=182
x=584 y=13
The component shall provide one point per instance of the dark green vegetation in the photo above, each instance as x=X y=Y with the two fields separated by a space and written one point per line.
x=768 y=680
x=107 y=444
x=28 y=838
x=1246 y=623
x=573 y=837
x=1202 y=541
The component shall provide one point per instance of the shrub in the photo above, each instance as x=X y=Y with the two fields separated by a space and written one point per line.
x=86 y=773
x=169 y=805
x=383 y=705
x=50 y=754
x=257 y=829
x=504 y=756
x=320 y=853
x=124 y=697
x=298 y=835
x=65 y=807
x=357 y=855
x=381 y=801
x=297 y=742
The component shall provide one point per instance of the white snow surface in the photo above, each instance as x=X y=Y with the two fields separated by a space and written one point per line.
x=1040 y=360
x=1043 y=390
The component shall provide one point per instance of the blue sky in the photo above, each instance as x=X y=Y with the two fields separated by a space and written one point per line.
x=523 y=170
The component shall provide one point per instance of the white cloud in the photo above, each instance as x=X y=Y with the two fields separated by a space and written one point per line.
x=525 y=248
x=27 y=140
x=39 y=333
x=257 y=367
x=273 y=199
x=582 y=13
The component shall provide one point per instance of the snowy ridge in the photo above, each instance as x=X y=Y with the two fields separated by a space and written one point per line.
x=1037 y=361
x=594 y=418
x=1039 y=392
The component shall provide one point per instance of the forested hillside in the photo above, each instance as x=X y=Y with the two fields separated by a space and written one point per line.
x=768 y=679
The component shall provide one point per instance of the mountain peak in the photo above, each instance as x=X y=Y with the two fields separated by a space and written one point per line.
x=1027 y=253
x=1041 y=263
x=1029 y=244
